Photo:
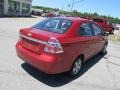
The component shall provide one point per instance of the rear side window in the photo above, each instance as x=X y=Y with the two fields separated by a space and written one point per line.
x=85 y=30
x=97 y=29
x=54 y=25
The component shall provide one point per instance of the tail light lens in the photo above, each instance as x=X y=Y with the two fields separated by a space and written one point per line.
x=53 y=46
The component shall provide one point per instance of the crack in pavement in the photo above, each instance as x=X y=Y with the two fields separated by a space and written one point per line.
x=111 y=56
x=113 y=63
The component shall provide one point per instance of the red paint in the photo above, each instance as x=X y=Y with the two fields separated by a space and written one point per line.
x=70 y=42
x=105 y=24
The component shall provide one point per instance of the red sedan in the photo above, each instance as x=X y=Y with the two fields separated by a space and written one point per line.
x=59 y=44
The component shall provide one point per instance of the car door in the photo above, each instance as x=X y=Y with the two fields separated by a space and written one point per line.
x=86 y=41
x=99 y=39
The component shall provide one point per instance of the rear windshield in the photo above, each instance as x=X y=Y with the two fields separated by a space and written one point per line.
x=56 y=25
x=98 y=20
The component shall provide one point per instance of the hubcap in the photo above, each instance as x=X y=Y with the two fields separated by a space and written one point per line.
x=77 y=66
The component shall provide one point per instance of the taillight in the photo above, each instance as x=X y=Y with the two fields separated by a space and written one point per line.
x=53 y=46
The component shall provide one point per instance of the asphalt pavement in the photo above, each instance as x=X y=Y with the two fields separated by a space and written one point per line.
x=102 y=72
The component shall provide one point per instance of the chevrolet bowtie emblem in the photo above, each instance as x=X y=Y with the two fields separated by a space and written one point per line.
x=29 y=34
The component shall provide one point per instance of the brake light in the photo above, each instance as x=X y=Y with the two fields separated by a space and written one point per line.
x=53 y=46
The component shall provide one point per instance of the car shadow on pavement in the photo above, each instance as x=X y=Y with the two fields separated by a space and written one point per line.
x=60 y=79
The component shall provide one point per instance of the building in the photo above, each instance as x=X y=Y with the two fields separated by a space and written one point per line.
x=15 y=7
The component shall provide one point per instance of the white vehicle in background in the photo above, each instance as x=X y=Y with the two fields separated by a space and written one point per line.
x=117 y=26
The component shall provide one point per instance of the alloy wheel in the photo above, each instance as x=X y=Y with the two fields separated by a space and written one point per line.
x=76 y=67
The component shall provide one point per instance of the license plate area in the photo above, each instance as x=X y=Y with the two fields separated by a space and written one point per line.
x=31 y=45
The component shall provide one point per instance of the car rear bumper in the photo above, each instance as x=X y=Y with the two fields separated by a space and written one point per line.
x=44 y=62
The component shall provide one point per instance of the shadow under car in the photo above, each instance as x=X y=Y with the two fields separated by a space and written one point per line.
x=60 y=79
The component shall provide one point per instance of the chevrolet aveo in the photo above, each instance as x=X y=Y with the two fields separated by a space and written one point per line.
x=61 y=44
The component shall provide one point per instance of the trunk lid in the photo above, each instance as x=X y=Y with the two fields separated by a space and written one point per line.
x=35 y=39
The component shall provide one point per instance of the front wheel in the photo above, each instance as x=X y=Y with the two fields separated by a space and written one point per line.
x=76 y=67
x=111 y=32
x=104 y=50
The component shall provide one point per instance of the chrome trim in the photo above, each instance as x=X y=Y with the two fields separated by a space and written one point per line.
x=33 y=39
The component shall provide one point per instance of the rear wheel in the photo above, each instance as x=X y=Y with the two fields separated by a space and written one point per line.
x=76 y=67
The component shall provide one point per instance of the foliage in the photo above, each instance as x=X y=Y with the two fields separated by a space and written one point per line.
x=45 y=9
x=79 y=14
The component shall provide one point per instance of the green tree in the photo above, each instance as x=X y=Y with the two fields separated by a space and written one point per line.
x=80 y=14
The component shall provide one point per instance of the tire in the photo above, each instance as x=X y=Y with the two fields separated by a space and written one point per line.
x=76 y=67
x=104 y=50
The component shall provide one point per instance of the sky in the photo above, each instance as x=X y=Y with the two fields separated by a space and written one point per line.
x=102 y=7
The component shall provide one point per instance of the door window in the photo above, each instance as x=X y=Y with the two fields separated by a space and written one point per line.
x=97 y=29
x=85 y=30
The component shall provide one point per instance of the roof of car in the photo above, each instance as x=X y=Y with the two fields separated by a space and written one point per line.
x=73 y=18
